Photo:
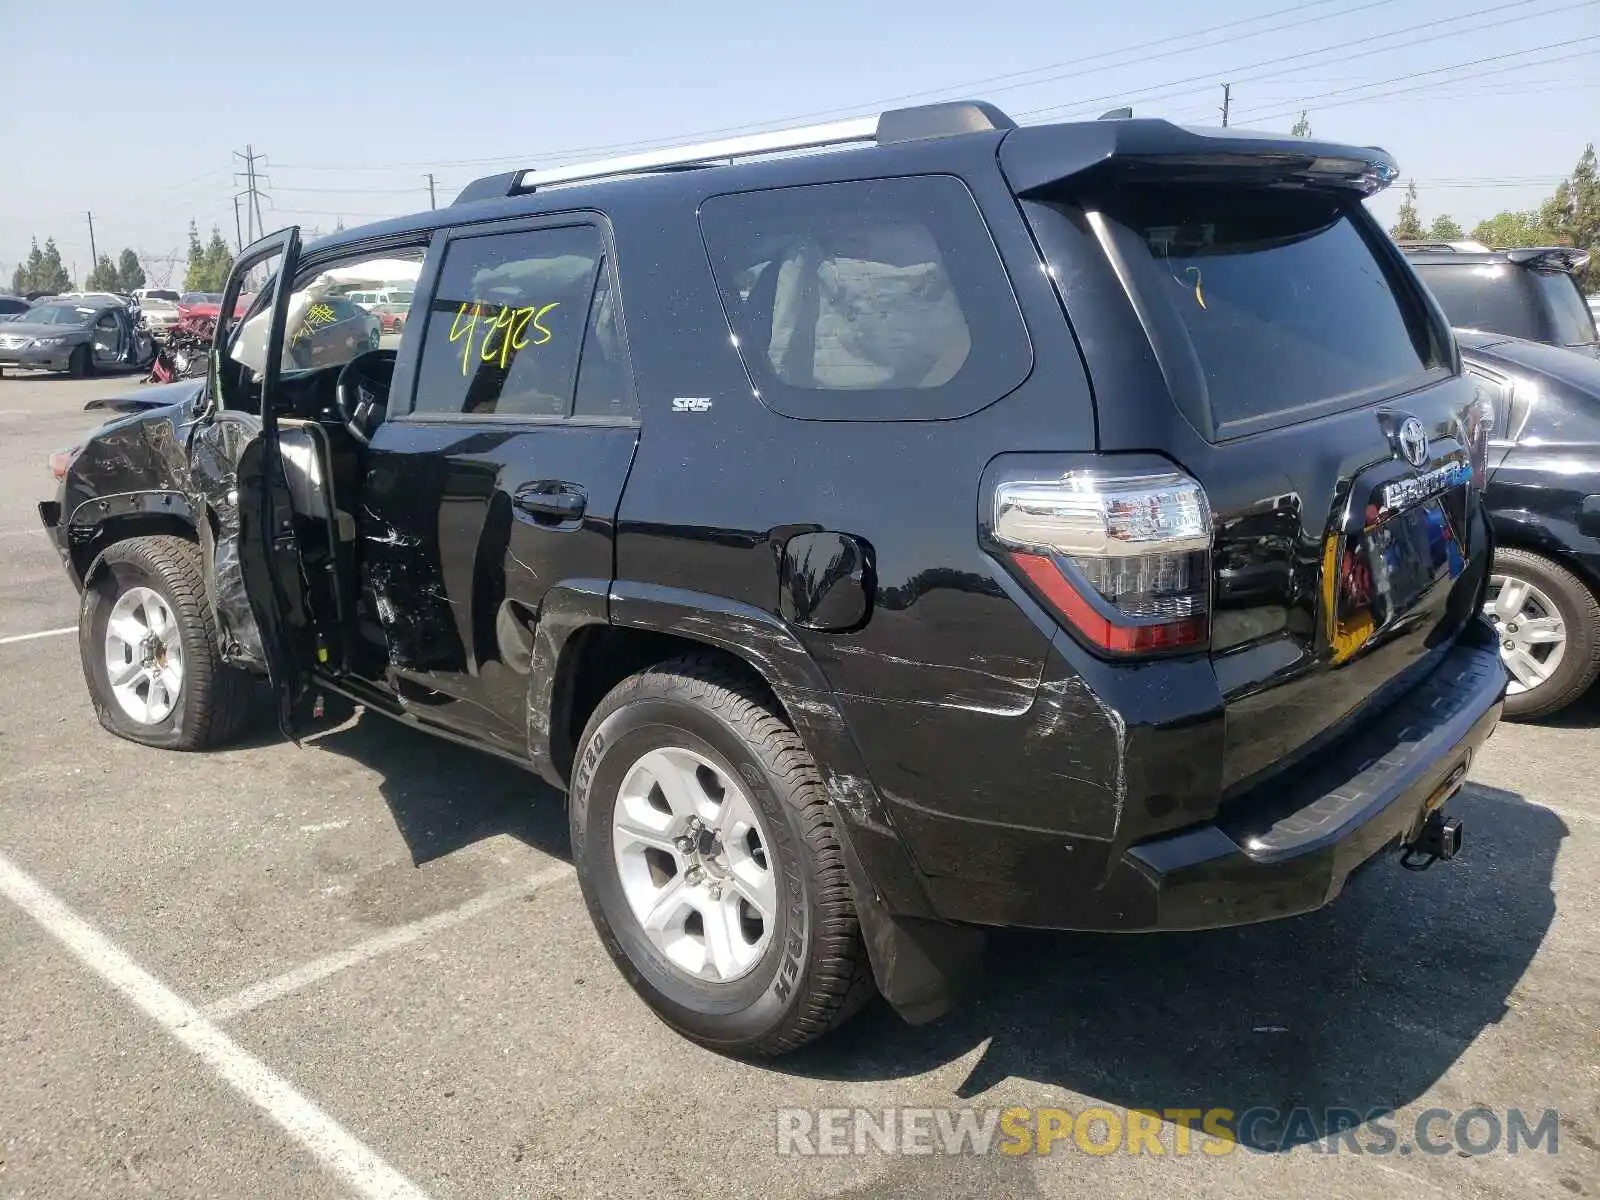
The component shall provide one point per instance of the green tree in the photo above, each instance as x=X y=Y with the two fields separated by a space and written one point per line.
x=1409 y=227
x=1509 y=229
x=1302 y=127
x=129 y=273
x=22 y=281
x=209 y=262
x=195 y=276
x=1444 y=229
x=1572 y=214
x=52 y=276
x=103 y=278
x=219 y=260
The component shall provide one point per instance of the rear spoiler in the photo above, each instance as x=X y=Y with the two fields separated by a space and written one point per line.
x=1549 y=258
x=1037 y=157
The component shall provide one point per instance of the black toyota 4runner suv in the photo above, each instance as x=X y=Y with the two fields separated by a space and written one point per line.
x=949 y=526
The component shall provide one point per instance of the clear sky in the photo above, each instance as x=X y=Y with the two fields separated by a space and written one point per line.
x=134 y=110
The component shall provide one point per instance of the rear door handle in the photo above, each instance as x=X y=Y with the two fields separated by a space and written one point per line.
x=560 y=501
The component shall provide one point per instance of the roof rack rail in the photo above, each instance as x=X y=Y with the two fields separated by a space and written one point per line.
x=896 y=125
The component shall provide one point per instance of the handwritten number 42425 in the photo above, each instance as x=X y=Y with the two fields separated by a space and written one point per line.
x=499 y=331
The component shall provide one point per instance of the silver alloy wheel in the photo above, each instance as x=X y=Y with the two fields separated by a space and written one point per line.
x=1533 y=637
x=691 y=854
x=144 y=655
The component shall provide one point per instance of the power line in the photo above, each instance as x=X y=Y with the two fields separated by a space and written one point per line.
x=1145 y=94
x=987 y=82
x=1304 y=100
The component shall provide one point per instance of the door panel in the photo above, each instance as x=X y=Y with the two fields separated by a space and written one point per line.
x=456 y=569
x=489 y=491
x=254 y=572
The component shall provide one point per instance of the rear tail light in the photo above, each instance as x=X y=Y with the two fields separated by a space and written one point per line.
x=61 y=460
x=1123 y=557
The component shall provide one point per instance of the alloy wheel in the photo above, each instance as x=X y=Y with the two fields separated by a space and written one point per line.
x=1533 y=637
x=691 y=855
x=144 y=655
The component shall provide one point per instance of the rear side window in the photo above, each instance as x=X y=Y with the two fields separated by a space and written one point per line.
x=1287 y=307
x=875 y=300
x=507 y=321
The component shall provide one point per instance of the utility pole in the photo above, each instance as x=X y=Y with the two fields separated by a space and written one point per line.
x=238 y=238
x=431 y=203
x=1227 y=102
x=93 y=256
x=254 y=225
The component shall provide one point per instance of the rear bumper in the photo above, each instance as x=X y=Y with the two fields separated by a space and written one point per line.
x=1284 y=849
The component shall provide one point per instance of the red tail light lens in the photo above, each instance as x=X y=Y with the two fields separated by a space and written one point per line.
x=1123 y=559
x=61 y=460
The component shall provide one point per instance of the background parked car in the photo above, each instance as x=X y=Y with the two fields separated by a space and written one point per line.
x=75 y=337
x=391 y=316
x=1528 y=293
x=11 y=306
x=370 y=298
x=1543 y=486
x=159 y=314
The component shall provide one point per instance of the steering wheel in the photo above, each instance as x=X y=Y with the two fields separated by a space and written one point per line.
x=362 y=392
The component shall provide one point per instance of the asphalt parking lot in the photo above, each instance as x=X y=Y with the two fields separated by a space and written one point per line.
x=361 y=966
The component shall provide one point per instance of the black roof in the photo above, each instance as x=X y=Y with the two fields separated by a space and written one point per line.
x=1035 y=156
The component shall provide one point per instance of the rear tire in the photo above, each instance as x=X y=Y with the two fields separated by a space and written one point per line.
x=802 y=969
x=184 y=697
x=1543 y=584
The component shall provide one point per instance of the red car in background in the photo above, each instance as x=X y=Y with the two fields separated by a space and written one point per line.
x=391 y=316
x=208 y=305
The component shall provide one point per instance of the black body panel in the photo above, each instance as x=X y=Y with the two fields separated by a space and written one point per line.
x=1545 y=491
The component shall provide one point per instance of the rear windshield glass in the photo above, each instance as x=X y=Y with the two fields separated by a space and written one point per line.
x=1502 y=298
x=1280 y=294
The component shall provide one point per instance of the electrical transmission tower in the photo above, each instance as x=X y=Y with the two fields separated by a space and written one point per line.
x=253 y=181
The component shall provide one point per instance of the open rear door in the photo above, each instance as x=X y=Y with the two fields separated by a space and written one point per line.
x=256 y=576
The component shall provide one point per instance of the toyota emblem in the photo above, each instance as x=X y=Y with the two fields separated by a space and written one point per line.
x=1414 y=441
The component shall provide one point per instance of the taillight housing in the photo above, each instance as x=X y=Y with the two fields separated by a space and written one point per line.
x=1119 y=551
x=61 y=460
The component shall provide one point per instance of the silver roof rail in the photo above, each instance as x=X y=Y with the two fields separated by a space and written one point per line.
x=836 y=133
x=896 y=125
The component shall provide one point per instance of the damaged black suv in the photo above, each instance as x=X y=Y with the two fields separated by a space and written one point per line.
x=951 y=526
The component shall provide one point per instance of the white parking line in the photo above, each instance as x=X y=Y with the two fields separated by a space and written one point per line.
x=43 y=633
x=26 y=531
x=268 y=990
x=300 y=1117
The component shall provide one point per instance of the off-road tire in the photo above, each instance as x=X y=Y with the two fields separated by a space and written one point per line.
x=1580 y=613
x=814 y=973
x=215 y=700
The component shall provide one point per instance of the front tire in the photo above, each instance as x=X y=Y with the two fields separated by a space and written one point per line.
x=80 y=363
x=1548 y=624
x=705 y=847
x=148 y=643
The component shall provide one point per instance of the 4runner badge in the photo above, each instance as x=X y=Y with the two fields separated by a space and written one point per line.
x=691 y=404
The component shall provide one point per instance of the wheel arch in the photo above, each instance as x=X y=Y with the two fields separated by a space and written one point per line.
x=1534 y=533
x=106 y=520
x=591 y=636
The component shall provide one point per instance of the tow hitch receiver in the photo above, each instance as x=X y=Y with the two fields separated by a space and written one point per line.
x=1438 y=840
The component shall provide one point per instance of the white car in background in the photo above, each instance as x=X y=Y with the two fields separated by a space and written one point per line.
x=400 y=297
x=158 y=312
